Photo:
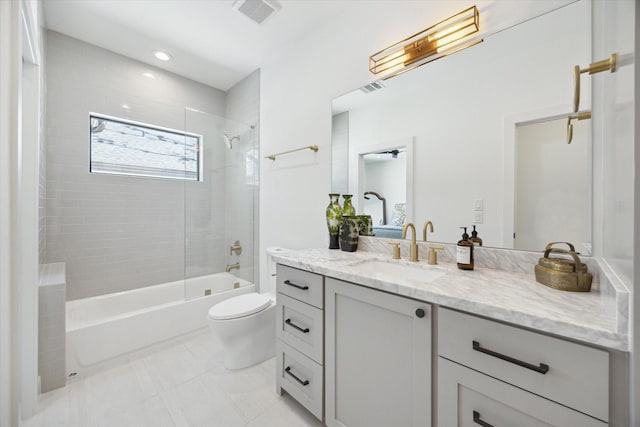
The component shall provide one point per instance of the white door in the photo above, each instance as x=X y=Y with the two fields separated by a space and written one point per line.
x=553 y=185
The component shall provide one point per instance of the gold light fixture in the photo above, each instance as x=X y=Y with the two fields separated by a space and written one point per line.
x=439 y=40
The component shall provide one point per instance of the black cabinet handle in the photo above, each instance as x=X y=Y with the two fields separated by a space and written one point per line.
x=288 y=371
x=304 y=288
x=477 y=420
x=289 y=322
x=542 y=369
x=420 y=313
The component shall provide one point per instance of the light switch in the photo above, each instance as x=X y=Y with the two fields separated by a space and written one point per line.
x=478 y=217
x=478 y=205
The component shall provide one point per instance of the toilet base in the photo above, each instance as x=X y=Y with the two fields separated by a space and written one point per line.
x=248 y=340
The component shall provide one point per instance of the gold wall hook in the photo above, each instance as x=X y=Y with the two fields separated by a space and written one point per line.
x=595 y=67
x=580 y=116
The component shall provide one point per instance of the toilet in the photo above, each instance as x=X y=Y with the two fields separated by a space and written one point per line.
x=246 y=324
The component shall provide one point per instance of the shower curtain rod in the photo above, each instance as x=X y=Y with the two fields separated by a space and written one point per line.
x=313 y=148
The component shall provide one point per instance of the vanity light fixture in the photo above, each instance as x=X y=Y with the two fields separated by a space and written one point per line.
x=162 y=56
x=439 y=40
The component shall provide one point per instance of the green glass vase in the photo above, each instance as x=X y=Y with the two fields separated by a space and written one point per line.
x=334 y=221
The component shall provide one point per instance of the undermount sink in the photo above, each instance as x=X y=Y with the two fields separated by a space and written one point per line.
x=399 y=271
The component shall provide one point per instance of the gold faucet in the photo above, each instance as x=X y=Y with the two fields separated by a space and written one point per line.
x=424 y=230
x=230 y=267
x=414 y=246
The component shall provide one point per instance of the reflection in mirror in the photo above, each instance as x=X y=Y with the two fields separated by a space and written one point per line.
x=553 y=186
x=462 y=114
x=384 y=182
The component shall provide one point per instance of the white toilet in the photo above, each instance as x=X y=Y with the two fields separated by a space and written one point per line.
x=246 y=324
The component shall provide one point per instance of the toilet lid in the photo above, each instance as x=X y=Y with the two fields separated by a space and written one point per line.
x=240 y=306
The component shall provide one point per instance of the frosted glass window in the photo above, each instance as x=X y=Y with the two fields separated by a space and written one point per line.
x=124 y=147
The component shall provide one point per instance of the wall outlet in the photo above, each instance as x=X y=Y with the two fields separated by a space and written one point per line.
x=478 y=217
x=478 y=205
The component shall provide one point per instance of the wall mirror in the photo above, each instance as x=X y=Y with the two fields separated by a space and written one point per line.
x=486 y=136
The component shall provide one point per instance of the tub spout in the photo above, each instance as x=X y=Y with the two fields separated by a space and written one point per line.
x=230 y=267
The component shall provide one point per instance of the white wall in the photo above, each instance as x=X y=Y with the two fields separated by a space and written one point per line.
x=296 y=92
x=456 y=110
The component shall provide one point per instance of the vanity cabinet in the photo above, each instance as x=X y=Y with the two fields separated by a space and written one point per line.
x=377 y=359
x=300 y=337
x=490 y=373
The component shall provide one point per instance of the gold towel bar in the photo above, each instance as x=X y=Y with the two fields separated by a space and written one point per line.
x=313 y=148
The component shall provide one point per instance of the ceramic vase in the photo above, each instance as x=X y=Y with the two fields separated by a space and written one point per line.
x=347 y=207
x=365 y=225
x=349 y=233
x=334 y=220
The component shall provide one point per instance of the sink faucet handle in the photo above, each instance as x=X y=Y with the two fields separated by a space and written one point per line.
x=396 y=249
x=433 y=255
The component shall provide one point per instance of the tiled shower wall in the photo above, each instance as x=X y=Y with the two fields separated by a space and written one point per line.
x=117 y=233
x=242 y=179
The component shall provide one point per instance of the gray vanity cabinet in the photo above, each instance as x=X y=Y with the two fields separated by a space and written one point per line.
x=493 y=374
x=377 y=358
x=300 y=337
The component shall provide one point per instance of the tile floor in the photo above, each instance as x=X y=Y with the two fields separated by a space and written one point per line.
x=182 y=384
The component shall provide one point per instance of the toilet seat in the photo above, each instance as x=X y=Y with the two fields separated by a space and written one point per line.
x=240 y=306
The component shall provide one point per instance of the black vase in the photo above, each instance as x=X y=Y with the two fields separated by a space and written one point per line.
x=349 y=231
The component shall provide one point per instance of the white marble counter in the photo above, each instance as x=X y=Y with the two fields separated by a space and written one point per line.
x=597 y=317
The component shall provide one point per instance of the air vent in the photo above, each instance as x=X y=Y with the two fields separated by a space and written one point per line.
x=372 y=87
x=256 y=10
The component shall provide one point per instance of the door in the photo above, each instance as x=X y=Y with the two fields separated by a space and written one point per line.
x=378 y=358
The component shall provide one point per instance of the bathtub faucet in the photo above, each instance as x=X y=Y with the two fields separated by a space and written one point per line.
x=230 y=267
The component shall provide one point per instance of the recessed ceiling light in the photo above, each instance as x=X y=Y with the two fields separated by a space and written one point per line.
x=149 y=75
x=125 y=106
x=162 y=56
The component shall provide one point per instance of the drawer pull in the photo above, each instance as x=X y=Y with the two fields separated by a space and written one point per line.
x=304 y=288
x=288 y=371
x=289 y=322
x=542 y=369
x=477 y=420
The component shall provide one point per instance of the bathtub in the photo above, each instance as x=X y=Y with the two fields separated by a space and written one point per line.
x=102 y=328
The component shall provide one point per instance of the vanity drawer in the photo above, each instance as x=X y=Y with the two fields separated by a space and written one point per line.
x=301 y=326
x=572 y=374
x=301 y=285
x=469 y=398
x=301 y=377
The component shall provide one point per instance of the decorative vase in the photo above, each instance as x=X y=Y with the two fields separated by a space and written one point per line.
x=349 y=233
x=334 y=220
x=347 y=207
x=365 y=225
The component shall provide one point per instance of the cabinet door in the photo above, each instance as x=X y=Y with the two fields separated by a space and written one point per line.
x=377 y=358
x=467 y=398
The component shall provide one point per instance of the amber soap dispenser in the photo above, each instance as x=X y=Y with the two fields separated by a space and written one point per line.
x=474 y=237
x=464 y=252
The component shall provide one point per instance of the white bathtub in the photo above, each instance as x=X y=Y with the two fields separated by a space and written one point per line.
x=102 y=328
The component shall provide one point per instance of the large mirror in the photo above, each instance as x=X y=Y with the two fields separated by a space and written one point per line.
x=481 y=136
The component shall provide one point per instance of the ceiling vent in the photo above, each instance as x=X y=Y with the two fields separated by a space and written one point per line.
x=372 y=87
x=256 y=10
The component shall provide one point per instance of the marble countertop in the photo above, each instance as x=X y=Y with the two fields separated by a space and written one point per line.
x=595 y=317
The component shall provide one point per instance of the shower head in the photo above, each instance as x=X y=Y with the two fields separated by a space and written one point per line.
x=228 y=141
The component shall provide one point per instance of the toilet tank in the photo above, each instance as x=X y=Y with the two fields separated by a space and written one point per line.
x=271 y=269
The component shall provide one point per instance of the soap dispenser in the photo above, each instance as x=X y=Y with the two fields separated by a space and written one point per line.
x=474 y=237
x=464 y=252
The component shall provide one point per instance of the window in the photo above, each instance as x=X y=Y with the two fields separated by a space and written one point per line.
x=130 y=148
